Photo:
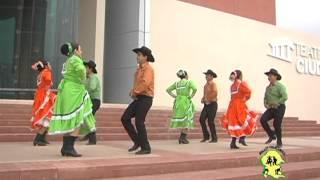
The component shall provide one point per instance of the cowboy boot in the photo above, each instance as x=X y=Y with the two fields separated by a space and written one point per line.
x=44 y=139
x=243 y=141
x=68 y=149
x=38 y=140
x=233 y=143
x=184 y=139
x=92 y=138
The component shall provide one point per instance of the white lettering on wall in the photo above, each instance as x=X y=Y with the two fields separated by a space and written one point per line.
x=307 y=57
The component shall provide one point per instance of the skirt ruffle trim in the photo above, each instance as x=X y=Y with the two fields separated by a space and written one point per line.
x=248 y=128
x=72 y=118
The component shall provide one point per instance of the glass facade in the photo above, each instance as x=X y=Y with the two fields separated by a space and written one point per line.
x=30 y=29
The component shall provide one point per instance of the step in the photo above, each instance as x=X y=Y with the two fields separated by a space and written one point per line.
x=100 y=123
x=80 y=169
x=23 y=137
x=293 y=171
x=120 y=129
x=115 y=124
x=149 y=119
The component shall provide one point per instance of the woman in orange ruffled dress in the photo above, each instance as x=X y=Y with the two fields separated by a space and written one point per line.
x=43 y=102
x=238 y=120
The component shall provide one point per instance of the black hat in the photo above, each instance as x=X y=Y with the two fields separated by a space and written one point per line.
x=91 y=64
x=146 y=52
x=273 y=72
x=210 y=72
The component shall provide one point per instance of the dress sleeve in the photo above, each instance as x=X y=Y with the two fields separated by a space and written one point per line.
x=47 y=78
x=193 y=87
x=171 y=88
x=79 y=68
x=245 y=90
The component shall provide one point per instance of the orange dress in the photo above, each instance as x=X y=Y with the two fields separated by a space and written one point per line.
x=43 y=100
x=238 y=120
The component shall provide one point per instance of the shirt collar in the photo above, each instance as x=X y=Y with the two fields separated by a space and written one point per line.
x=275 y=83
x=210 y=82
x=144 y=65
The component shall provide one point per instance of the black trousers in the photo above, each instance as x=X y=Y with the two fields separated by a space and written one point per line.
x=138 y=109
x=277 y=115
x=95 y=105
x=209 y=112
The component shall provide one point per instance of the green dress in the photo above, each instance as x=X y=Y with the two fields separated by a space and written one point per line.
x=183 y=109
x=73 y=107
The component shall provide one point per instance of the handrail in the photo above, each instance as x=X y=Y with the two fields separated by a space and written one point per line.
x=20 y=90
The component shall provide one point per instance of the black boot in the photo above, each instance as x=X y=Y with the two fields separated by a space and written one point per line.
x=35 y=140
x=44 y=139
x=92 y=138
x=68 y=149
x=65 y=145
x=214 y=139
x=270 y=139
x=183 y=139
x=145 y=149
x=180 y=138
x=279 y=143
x=38 y=140
x=204 y=140
x=242 y=141
x=134 y=148
x=84 y=138
x=143 y=152
x=233 y=143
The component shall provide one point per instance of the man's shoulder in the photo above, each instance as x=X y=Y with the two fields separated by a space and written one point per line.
x=279 y=84
x=149 y=67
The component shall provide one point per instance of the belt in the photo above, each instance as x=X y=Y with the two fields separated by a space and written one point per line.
x=209 y=103
x=144 y=96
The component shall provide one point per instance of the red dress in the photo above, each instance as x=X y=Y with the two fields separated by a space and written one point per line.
x=43 y=100
x=238 y=120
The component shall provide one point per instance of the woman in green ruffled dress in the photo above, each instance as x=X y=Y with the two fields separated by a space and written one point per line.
x=183 y=109
x=72 y=114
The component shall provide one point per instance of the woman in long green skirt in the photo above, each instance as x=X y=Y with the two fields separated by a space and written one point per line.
x=183 y=109
x=72 y=114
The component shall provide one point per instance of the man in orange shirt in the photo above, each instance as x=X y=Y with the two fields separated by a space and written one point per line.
x=142 y=95
x=209 y=110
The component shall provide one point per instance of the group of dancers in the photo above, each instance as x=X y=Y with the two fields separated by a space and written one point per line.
x=71 y=111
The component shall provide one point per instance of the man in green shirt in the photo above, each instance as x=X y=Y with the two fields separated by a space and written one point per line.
x=274 y=100
x=94 y=89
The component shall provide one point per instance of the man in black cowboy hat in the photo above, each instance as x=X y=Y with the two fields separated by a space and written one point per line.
x=210 y=107
x=274 y=100
x=94 y=89
x=142 y=94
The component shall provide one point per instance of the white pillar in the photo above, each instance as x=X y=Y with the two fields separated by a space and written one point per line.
x=99 y=39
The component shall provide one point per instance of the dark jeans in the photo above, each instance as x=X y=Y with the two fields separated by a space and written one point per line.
x=209 y=112
x=95 y=105
x=276 y=114
x=138 y=109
